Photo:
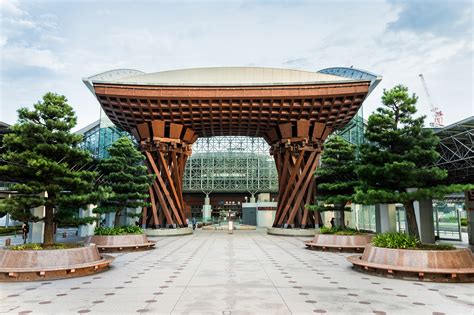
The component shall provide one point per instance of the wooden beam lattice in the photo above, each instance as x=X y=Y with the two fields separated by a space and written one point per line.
x=166 y=148
x=296 y=149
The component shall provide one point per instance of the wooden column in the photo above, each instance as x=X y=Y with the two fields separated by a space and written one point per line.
x=166 y=147
x=296 y=148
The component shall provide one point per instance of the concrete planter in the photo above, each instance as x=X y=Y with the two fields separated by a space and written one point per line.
x=291 y=232
x=347 y=243
x=428 y=265
x=31 y=265
x=169 y=232
x=120 y=243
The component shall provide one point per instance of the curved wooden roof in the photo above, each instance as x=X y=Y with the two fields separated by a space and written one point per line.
x=228 y=101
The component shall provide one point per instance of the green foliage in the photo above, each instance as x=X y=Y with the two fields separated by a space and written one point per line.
x=405 y=241
x=336 y=177
x=463 y=221
x=125 y=177
x=400 y=154
x=43 y=247
x=121 y=230
x=10 y=230
x=436 y=247
x=395 y=240
x=42 y=155
x=341 y=231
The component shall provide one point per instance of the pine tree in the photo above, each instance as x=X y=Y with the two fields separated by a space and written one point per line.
x=400 y=155
x=41 y=156
x=336 y=178
x=125 y=175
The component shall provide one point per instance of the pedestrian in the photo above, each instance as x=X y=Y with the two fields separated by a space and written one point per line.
x=332 y=223
x=194 y=223
x=25 y=229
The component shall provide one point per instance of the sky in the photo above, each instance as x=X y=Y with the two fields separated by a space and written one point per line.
x=51 y=45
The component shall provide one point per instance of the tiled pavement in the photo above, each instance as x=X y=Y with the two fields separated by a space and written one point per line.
x=247 y=272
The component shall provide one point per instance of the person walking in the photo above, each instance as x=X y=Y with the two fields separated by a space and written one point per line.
x=332 y=223
x=25 y=229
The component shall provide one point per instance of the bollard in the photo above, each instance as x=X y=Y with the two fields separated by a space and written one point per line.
x=8 y=242
x=231 y=227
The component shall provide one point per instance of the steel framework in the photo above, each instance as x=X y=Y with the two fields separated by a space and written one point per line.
x=456 y=148
x=230 y=164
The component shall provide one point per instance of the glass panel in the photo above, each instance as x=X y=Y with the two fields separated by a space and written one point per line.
x=448 y=223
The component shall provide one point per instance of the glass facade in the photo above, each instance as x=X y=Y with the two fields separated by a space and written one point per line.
x=100 y=135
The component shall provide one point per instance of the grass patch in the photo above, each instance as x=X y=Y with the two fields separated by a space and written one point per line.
x=35 y=246
x=404 y=241
x=10 y=230
x=121 y=230
x=339 y=231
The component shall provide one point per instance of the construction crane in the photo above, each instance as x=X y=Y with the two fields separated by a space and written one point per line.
x=435 y=111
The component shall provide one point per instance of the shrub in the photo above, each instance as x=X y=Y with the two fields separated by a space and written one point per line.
x=395 y=240
x=463 y=221
x=42 y=247
x=341 y=231
x=404 y=241
x=121 y=230
x=27 y=247
x=10 y=230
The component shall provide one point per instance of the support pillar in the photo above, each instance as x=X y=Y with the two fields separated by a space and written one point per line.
x=36 y=233
x=338 y=218
x=385 y=218
x=424 y=219
x=296 y=148
x=252 y=199
x=87 y=229
x=470 y=215
x=206 y=209
x=166 y=146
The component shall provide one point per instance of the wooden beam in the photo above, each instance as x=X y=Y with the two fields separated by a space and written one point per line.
x=296 y=189
x=164 y=189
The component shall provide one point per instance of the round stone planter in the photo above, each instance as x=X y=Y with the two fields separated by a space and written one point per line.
x=291 y=232
x=426 y=265
x=169 y=232
x=33 y=265
x=346 y=243
x=120 y=243
x=225 y=227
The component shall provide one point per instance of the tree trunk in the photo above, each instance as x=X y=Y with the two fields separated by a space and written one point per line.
x=117 y=218
x=49 y=226
x=412 y=226
x=342 y=219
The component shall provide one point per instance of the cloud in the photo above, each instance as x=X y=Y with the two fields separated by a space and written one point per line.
x=47 y=53
x=11 y=7
x=23 y=57
x=436 y=17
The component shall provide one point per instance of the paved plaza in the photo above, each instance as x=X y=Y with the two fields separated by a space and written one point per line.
x=247 y=272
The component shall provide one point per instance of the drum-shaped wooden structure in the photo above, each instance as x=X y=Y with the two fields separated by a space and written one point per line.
x=293 y=110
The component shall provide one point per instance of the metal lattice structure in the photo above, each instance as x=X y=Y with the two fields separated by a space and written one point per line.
x=456 y=150
x=230 y=164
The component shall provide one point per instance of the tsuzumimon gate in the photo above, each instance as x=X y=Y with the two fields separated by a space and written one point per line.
x=294 y=111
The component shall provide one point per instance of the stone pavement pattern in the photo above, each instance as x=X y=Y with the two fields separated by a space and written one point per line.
x=247 y=272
